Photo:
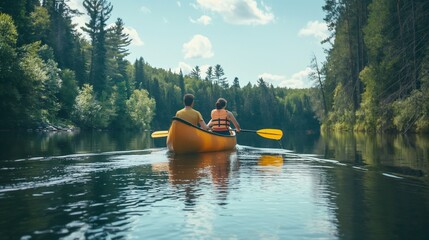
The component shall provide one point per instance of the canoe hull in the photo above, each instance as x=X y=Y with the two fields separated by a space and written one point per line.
x=184 y=137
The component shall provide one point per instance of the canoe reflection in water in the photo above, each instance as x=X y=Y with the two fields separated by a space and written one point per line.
x=210 y=173
x=271 y=163
x=194 y=173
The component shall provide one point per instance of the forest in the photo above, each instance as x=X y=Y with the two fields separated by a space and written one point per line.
x=52 y=75
x=374 y=79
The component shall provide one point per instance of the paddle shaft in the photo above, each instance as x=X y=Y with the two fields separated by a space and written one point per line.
x=275 y=134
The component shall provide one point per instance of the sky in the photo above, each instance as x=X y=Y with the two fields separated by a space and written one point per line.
x=272 y=39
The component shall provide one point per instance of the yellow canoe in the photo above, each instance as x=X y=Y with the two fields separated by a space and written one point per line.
x=183 y=137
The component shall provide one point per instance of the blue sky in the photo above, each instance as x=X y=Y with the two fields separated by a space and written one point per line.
x=250 y=39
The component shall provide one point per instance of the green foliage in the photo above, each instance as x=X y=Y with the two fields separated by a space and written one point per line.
x=412 y=113
x=99 y=12
x=220 y=76
x=41 y=103
x=141 y=109
x=374 y=68
x=67 y=94
x=298 y=110
x=48 y=71
x=88 y=112
x=341 y=117
x=10 y=80
x=8 y=33
x=40 y=21
x=409 y=111
x=120 y=118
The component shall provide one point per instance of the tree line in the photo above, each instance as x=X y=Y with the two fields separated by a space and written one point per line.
x=375 y=77
x=50 y=73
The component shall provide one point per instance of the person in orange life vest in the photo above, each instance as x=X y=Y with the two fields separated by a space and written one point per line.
x=221 y=118
x=188 y=113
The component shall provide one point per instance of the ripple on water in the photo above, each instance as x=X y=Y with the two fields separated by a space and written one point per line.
x=251 y=193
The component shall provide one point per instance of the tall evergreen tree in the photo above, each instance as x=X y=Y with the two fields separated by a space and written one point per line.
x=117 y=42
x=62 y=36
x=209 y=74
x=99 y=12
x=196 y=73
x=139 y=75
x=182 y=83
x=236 y=83
x=220 y=76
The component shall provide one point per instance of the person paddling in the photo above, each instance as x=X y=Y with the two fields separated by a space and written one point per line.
x=189 y=114
x=221 y=118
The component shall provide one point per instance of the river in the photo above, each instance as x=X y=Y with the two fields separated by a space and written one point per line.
x=103 y=185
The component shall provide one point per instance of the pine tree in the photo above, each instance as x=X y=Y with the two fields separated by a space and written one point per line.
x=219 y=76
x=62 y=36
x=195 y=73
x=236 y=83
x=99 y=12
x=182 y=83
x=117 y=42
x=209 y=74
x=139 y=75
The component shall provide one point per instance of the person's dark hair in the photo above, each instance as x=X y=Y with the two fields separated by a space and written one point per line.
x=188 y=99
x=220 y=103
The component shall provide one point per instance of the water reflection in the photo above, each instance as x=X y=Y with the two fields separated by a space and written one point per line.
x=271 y=161
x=403 y=155
x=187 y=172
x=46 y=144
x=277 y=193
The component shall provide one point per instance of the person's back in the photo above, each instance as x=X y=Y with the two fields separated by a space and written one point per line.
x=221 y=117
x=189 y=114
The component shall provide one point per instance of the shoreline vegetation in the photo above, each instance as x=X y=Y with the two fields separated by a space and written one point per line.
x=375 y=77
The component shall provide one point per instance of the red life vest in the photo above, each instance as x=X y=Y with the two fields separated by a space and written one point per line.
x=220 y=120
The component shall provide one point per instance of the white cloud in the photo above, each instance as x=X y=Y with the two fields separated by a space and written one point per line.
x=84 y=18
x=298 y=80
x=145 y=10
x=179 y=4
x=316 y=29
x=186 y=68
x=204 y=20
x=203 y=70
x=198 y=47
x=80 y=20
x=134 y=35
x=240 y=12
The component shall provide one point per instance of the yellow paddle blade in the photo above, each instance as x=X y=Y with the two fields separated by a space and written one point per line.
x=159 y=134
x=269 y=133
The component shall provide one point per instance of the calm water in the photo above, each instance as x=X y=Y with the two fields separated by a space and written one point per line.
x=102 y=185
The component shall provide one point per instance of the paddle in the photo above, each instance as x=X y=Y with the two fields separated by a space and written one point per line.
x=275 y=134
x=269 y=133
x=159 y=134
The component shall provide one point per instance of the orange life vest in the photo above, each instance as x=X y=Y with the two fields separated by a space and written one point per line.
x=220 y=120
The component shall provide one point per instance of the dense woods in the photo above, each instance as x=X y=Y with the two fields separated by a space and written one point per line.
x=51 y=74
x=375 y=77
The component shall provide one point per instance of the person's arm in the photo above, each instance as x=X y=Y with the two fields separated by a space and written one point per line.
x=203 y=125
x=234 y=121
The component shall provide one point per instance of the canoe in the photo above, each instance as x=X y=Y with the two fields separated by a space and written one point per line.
x=183 y=137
